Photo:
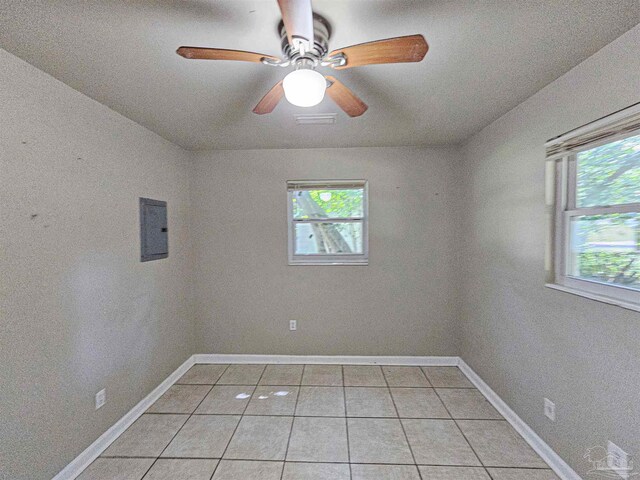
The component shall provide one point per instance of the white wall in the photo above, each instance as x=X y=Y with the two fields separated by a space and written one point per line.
x=402 y=303
x=79 y=311
x=525 y=340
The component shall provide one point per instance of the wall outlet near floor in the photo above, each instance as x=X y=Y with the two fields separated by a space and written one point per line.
x=101 y=398
x=293 y=325
x=550 y=409
x=618 y=460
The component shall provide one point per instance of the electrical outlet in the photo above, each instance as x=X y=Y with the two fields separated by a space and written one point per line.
x=550 y=409
x=618 y=460
x=101 y=398
x=293 y=325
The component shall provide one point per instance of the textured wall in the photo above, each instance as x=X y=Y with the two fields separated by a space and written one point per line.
x=79 y=311
x=525 y=340
x=400 y=304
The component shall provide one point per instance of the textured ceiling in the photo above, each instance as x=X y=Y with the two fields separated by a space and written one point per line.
x=486 y=56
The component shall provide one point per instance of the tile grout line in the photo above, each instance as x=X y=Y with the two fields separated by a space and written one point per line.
x=182 y=426
x=460 y=430
x=312 y=462
x=502 y=419
x=234 y=430
x=401 y=424
x=346 y=421
x=245 y=410
x=346 y=417
x=295 y=407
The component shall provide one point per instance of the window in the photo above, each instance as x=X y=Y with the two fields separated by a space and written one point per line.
x=328 y=222
x=597 y=212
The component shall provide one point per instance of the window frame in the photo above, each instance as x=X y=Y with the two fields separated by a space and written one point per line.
x=328 y=259
x=565 y=209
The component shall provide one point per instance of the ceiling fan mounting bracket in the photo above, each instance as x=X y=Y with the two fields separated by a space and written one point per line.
x=275 y=62
x=338 y=60
x=320 y=47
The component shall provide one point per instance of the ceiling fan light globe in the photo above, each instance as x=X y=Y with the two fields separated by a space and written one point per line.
x=304 y=88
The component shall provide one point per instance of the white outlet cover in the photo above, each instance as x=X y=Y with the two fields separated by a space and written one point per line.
x=618 y=460
x=550 y=409
x=101 y=398
x=293 y=325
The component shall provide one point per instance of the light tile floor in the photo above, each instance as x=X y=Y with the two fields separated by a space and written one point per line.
x=320 y=422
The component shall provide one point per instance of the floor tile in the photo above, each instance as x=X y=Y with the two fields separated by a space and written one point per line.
x=467 y=403
x=242 y=375
x=377 y=440
x=315 y=439
x=316 y=471
x=203 y=374
x=179 y=469
x=282 y=375
x=203 y=436
x=260 y=438
x=454 y=473
x=521 y=474
x=447 y=377
x=147 y=437
x=328 y=375
x=363 y=376
x=248 y=470
x=226 y=400
x=273 y=400
x=438 y=442
x=499 y=445
x=369 y=402
x=418 y=403
x=405 y=377
x=384 y=472
x=180 y=399
x=321 y=402
x=116 y=469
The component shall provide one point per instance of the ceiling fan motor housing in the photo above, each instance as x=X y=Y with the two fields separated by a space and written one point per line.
x=320 y=47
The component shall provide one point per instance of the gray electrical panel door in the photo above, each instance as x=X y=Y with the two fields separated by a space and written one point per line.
x=153 y=230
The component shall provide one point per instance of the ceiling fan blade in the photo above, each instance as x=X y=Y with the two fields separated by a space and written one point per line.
x=411 y=48
x=297 y=16
x=270 y=100
x=200 y=53
x=345 y=98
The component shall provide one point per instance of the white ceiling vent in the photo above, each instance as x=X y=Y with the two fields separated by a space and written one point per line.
x=315 y=119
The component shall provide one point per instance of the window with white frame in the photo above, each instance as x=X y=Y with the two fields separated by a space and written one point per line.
x=597 y=209
x=328 y=222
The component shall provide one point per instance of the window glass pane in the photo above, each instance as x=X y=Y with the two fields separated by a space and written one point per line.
x=328 y=203
x=605 y=248
x=610 y=174
x=328 y=238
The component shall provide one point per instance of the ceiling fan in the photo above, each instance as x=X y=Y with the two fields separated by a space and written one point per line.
x=305 y=38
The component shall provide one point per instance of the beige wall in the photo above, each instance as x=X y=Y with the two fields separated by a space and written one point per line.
x=79 y=311
x=400 y=304
x=525 y=340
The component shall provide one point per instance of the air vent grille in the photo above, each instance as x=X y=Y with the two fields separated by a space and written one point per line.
x=316 y=119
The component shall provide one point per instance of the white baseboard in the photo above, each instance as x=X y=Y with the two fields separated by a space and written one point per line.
x=562 y=469
x=327 y=360
x=82 y=461
x=94 y=450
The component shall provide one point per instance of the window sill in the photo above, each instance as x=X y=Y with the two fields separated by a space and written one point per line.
x=330 y=264
x=595 y=296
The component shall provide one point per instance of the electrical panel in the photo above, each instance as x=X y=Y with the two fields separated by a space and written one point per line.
x=154 y=234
